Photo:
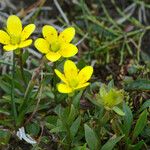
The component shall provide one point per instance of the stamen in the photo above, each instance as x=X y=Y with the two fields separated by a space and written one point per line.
x=15 y=39
x=55 y=46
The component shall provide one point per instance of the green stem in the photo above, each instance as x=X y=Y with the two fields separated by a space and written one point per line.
x=68 y=138
x=105 y=118
x=13 y=105
x=139 y=45
x=69 y=101
x=39 y=93
x=21 y=68
x=23 y=107
x=54 y=82
x=102 y=120
x=29 y=89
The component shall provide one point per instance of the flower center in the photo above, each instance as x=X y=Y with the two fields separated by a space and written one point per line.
x=73 y=83
x=55 y=46
x=15 y=39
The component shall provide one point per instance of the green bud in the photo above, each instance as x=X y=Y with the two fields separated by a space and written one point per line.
x=109 y=97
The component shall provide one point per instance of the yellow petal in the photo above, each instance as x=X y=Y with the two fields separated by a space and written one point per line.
x=64 y=88
x=10 y=47
x=25 y=43
x=70 y=70
x=82 y=86
x=27 y=31
x=14 y=25
x=49 y=33
x=60 y=75
x=4 y=37
x=85 y=74
x=42 y=45
x=68 y=50
x=67 y=35
x=52 y=56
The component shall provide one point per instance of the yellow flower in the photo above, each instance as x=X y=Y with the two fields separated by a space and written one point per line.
x=54 y=46
x=73 y=79
x=15 y=37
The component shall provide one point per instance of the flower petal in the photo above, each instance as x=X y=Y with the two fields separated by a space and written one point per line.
x=4 y=37
x=85 y=74
x=68 y=50
x=27 y=31
x=60 y=75
x=25 y=43
x=10 y=47
x=64 y=88
x=52 y=56
x=14 y=25
x=70 y=70
x=42 y=45
x=49 y=33
x=82 y=86
x=67 y=35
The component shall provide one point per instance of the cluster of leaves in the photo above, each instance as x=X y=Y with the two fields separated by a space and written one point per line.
x=100 y=117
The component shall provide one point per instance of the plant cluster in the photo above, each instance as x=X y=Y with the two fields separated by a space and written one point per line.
x=59 y=104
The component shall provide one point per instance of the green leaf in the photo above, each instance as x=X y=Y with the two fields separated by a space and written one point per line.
x=7 y=123
x=25 y=56
x=109 y=145
x=146 y=104
x=118 y=111
x=146 y=58
x=90 y=98
x=127 y=119
x=91 y=138
x=137 y=146
x=141 y=122
x=75 y=126
x=33 y=129
x=6 y=79
x=6 y=87
x=76 y=99
x=58 y=110
x=111 y=84
x=58 y=129
x=103 y=90
x=132 y=69
x=81 y=147
x=72 y=115
x=140 y=84
x=51 y=121
x=4 y=137
x=4 y=111
x=146 y=131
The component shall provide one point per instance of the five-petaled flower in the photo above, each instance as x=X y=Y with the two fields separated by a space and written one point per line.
x=15 y=37
x=73 y=79
x=54 y=46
